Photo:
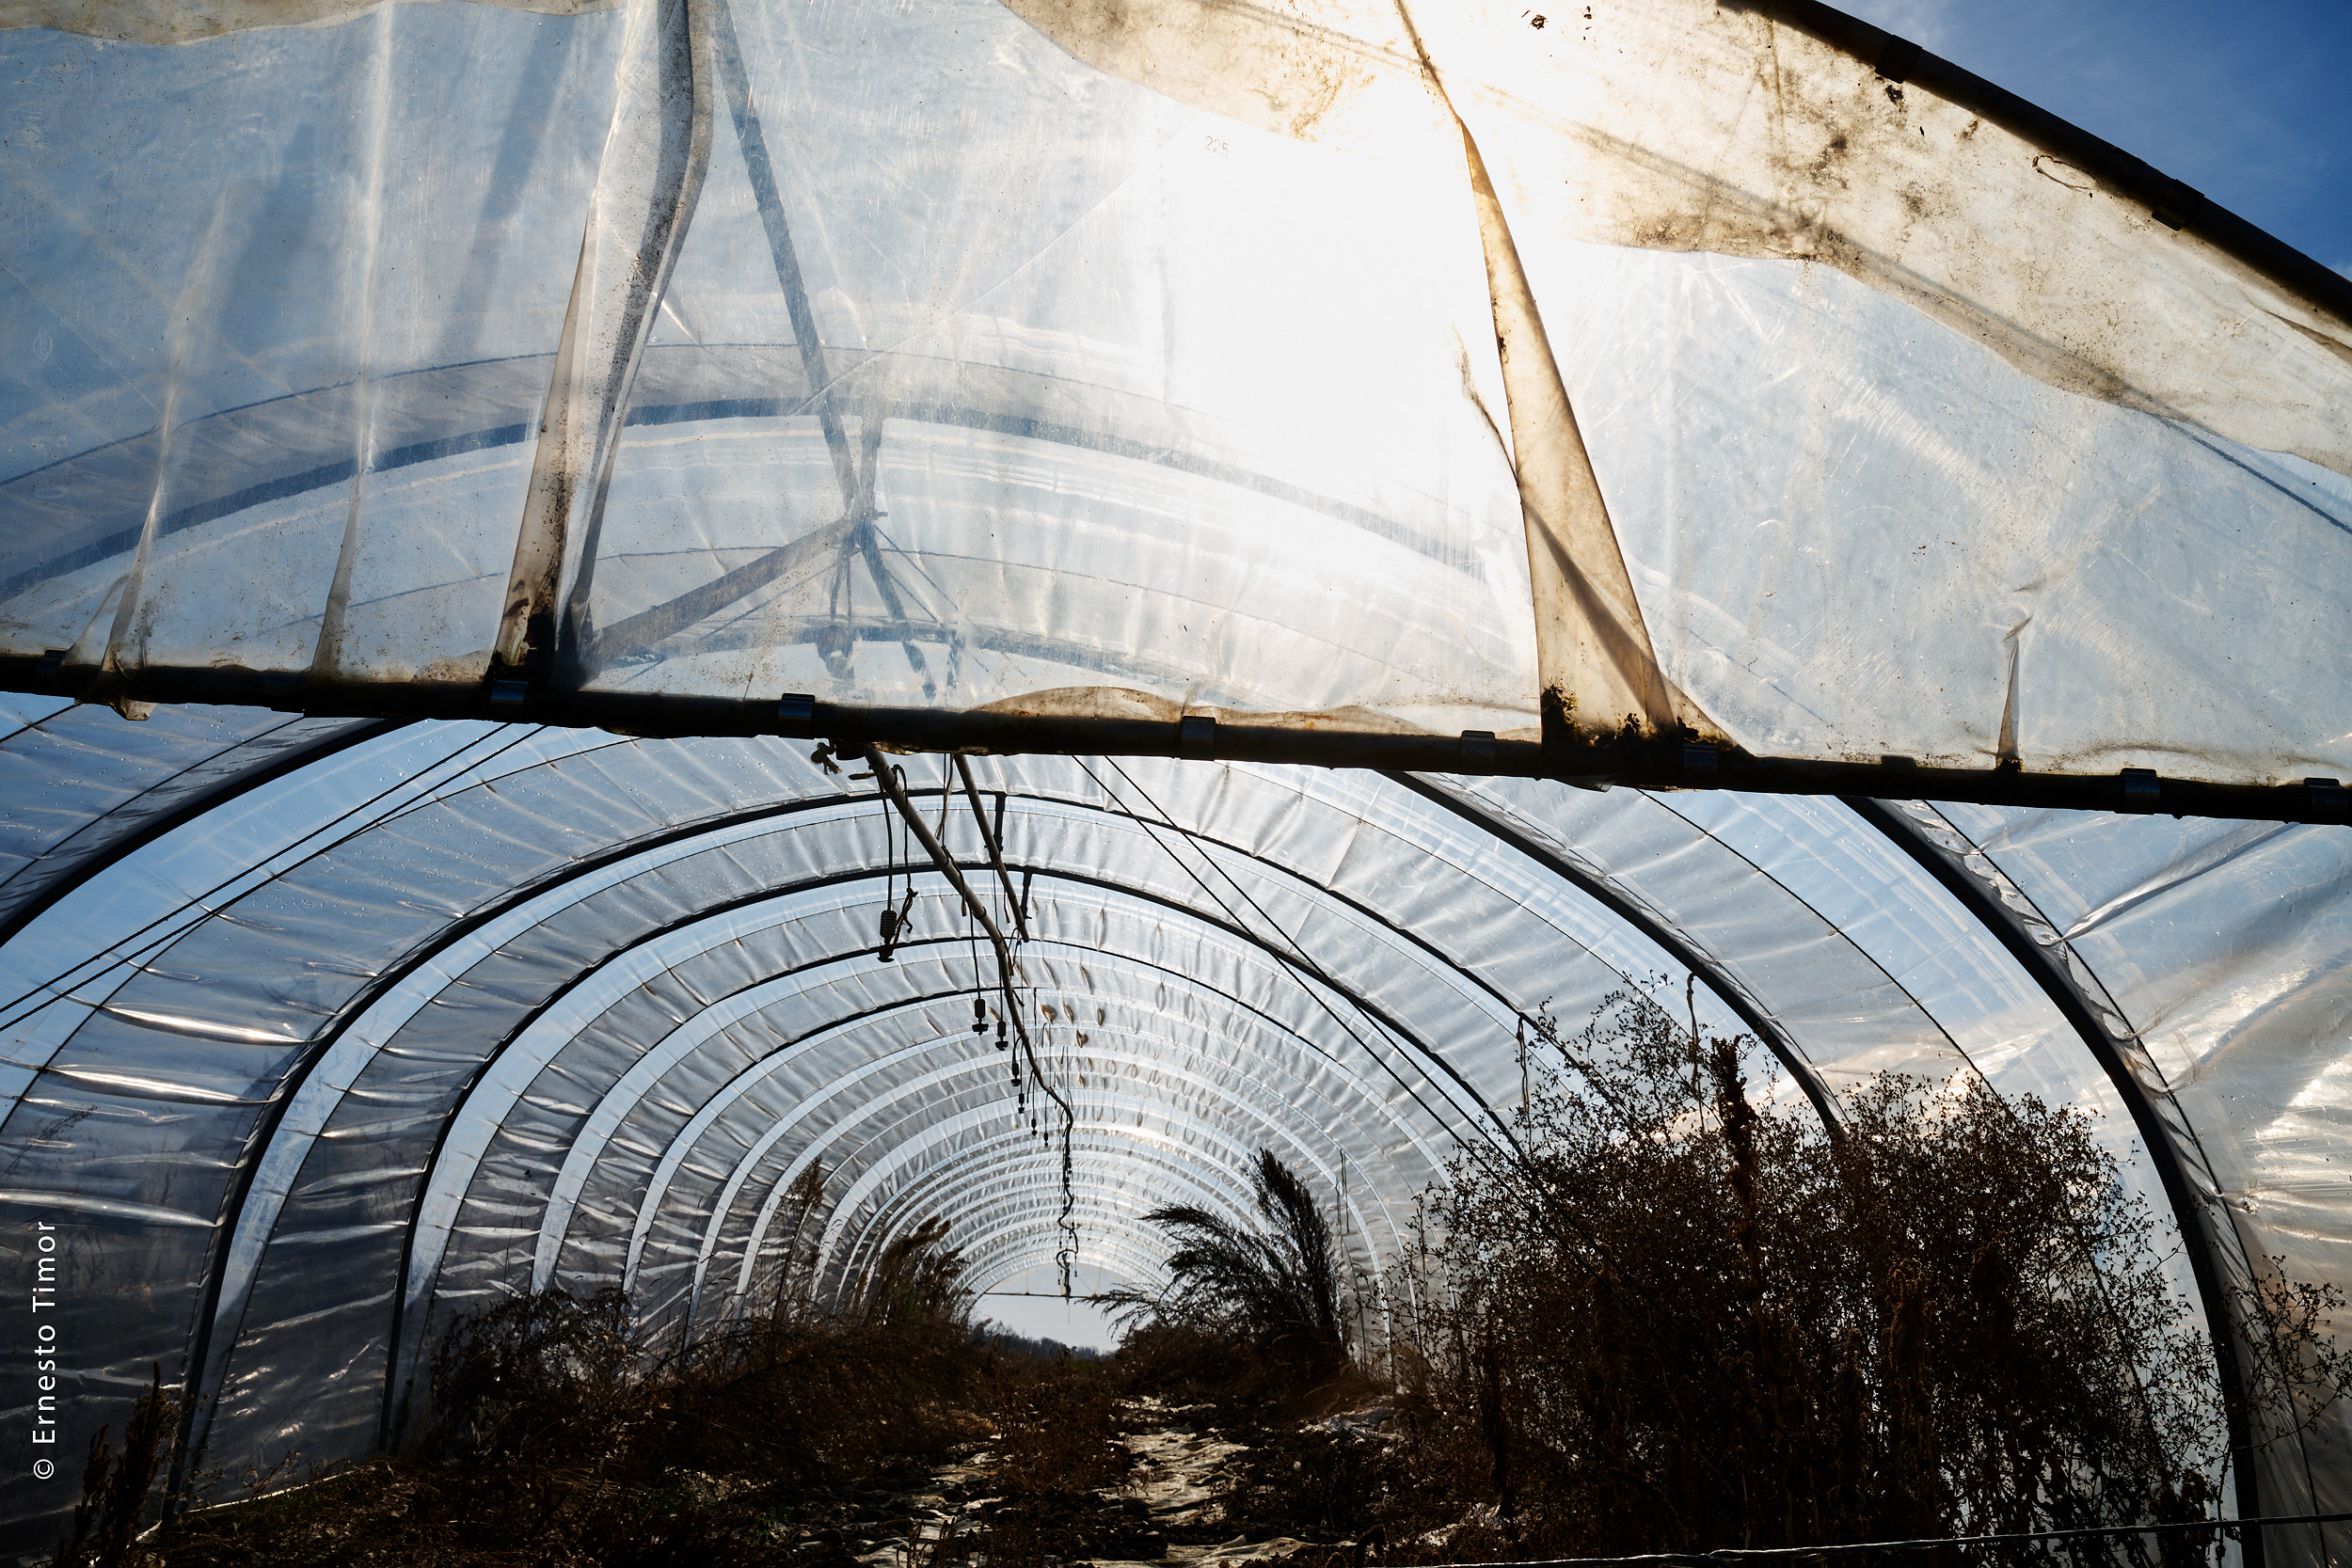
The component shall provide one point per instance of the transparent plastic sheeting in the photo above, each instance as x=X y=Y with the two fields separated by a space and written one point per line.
x=457 y=1011
x=1135 y=359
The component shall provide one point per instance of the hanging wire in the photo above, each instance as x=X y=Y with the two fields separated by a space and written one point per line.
x=1523 y=1037
x=979 y=984
x=893 y=783
x=130 y=949
x=1510 y=1167
x=896 y=917
x=1289 y=952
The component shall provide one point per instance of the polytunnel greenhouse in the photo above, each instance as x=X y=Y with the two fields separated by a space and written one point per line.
x=1275 y=543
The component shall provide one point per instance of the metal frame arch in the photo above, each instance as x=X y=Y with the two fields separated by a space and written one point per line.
x=1116 y=1212
x=1429 y=1156
x=707 y=825
x=263 y=1144
x=1313 y=887
x=367 y=1030
x=1003 y=1176
x=1313 y=893
x=869 y=1233
x=1008 y=1189
x=2005 y=910
x=689 y=831
x=407 y=1297
x=725 y=1011
x=1423 y=1055
x=1733 y=995
x=734 y=1008
x=1120 y=1251
x=917 y=1193
x=1353 y=1079
x=1203 y=1093
x=1159 y=1174
x=1116 y=1258
x=756 y=1236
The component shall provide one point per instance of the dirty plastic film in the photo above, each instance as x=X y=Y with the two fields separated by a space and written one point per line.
x=1088 y=361
x=1129 y=361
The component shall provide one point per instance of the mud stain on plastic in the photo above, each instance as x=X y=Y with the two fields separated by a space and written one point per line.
x=1779 y=147
x=1127 y=703
x=1307 y=78
x=2336 y=346
x=644 y=200
x=167 y=21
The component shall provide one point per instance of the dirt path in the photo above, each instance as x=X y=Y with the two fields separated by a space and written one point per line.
x=1177 y=1491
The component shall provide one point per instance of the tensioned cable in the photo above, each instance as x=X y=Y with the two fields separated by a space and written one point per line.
x=1850 y=1548
x=128 y=804
x=995 y=840
x=49 y=992
x=1513 y=1170
x=63 y=866
x=1585 y=1071
x=1296 y=955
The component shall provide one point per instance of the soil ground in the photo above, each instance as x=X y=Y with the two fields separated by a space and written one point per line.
x=1059 y=1464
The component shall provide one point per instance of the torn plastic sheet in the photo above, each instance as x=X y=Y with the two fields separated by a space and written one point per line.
x=1214 y=418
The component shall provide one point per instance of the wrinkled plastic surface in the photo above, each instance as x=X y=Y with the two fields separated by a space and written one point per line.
x=946 y=360
x=459 y=1010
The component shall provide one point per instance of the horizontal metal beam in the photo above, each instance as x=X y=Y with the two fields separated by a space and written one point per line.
x=1643 y=762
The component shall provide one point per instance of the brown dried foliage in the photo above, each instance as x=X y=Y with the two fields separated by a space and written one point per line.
x=1680 y=1322
x=562 y=1432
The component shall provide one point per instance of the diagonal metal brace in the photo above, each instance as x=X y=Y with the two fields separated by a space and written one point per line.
x=1007 y=964
x=996 y=848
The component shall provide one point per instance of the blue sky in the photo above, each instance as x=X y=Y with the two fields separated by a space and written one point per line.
x=2249 y=102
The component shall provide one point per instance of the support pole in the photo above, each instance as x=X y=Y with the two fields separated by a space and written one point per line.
x=996 y=848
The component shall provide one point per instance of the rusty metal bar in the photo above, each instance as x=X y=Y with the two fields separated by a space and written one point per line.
x=1645 y=764
x=995 y=848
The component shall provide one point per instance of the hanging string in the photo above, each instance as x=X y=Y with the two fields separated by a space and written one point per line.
x=979 y=985
x=894 y=919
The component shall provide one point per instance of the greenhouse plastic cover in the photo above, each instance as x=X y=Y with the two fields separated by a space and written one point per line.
x=1383 y=368
x=1349 y=369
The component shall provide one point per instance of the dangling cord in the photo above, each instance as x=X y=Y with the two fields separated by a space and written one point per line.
x=889 y=922
x=1068 y=1251
x=1522 y=1067
x=979 y=991
x=894 y=922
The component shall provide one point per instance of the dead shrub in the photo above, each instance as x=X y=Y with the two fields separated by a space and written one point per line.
x=1678 y=1322
x=1268 y=1296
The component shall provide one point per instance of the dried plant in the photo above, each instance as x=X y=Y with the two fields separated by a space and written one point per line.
x=916 y=1281
x=1677 y=1322
x=116 y=1486
x=1275 y=1289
